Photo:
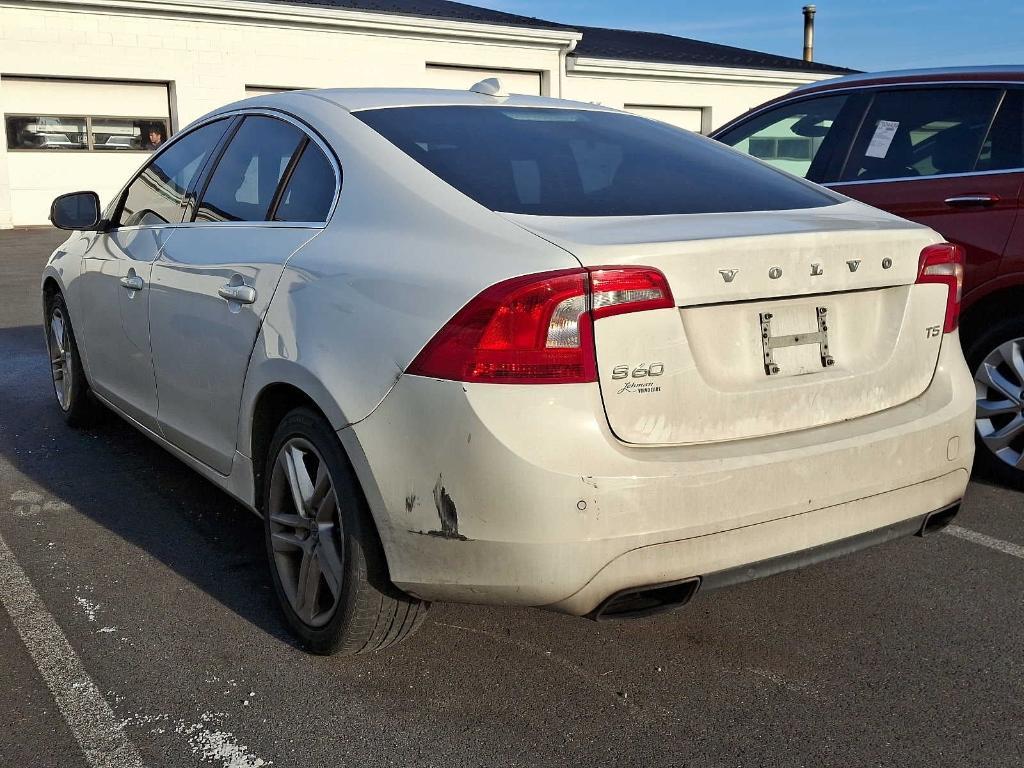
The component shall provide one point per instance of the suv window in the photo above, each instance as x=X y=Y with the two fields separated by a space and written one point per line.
x=791 y=136
x=247 y=175
x=155 y=197
x=911 y=133
x=309 y=193
x=574 y=162
x=1003 y=149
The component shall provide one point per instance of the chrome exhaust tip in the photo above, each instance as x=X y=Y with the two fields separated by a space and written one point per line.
x=938 y=519
x=637 y=602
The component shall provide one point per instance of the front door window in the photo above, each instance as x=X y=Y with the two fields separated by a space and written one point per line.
x=156 y=196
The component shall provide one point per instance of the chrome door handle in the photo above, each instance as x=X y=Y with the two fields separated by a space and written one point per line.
x=243 y=294
x=967 y=201
x=132 y=283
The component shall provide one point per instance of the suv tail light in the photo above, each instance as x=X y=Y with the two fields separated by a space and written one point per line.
x=537 y=329
x=944 y=263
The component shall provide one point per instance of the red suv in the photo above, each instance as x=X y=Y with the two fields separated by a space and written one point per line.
x=945 y=148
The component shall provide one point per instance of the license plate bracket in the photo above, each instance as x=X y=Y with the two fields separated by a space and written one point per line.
x=769 y=342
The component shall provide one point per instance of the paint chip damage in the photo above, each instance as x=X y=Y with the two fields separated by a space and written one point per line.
x=447 y=512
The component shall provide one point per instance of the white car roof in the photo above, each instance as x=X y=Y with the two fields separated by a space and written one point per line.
x=356 y=99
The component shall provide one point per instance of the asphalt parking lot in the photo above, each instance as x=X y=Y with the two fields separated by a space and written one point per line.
x=137 y=627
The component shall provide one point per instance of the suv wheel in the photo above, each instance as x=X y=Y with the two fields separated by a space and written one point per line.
x=326 y=561
x=996 y=358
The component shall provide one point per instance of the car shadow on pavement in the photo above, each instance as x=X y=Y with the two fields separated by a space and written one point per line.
x=122 y=481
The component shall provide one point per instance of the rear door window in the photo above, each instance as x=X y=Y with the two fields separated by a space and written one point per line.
x=794 y=137
x=309 y=192
x=909 y=133
x=156 y=195
x=571 y=162
x=1003 y=149
x=245 y=181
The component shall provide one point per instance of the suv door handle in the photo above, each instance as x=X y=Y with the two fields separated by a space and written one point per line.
x=132 y=283
x=243 y=294
x=968 y=201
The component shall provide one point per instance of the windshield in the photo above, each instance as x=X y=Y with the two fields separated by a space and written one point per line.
x=570 y=162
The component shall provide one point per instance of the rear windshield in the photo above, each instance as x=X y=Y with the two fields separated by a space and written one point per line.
x=568 y=162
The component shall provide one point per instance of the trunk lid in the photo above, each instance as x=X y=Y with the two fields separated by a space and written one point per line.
x=785 y=320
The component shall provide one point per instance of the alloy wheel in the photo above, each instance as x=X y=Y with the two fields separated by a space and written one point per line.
x=306 y=532
x=61 y=368
x=1000 y=388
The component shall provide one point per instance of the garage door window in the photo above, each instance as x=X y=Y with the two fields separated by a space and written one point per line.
x=45 y=132
x=101 y=134
x=118 y=134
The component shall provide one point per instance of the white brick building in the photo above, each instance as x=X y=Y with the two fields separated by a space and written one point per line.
x=83 y=84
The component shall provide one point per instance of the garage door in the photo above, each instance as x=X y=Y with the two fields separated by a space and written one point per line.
x=84 y=96
x=461 y=78
x=68 y=135
x=689 y=118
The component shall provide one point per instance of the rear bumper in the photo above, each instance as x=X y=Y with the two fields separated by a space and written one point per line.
x=643 y=601
x=745 y=554
x=915 y=526
x=521 y=495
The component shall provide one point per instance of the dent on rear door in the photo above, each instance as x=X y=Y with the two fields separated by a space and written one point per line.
x=201 y=340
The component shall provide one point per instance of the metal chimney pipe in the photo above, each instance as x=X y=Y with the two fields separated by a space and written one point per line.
x=809 y=32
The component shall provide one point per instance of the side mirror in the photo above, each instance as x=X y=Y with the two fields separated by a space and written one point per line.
x=76 y=210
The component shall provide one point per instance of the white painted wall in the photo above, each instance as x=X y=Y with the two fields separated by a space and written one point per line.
x=721 y=94
x=209 y=52
x=689 y=118
x=462 y=78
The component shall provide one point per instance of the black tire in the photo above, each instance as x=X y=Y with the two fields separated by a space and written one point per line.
x=370 y=613
x=74 y=400
x=979 y=347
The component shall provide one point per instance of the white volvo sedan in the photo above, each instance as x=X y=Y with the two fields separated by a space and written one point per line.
x=461 y=346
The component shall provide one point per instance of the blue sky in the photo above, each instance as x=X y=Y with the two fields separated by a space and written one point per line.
x=863 y=34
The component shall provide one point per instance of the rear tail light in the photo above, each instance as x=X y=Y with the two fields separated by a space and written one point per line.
x=632 y=289
x=537 y=329
x=943 y=263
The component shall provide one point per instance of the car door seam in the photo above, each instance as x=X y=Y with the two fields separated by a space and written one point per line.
x=259 y=328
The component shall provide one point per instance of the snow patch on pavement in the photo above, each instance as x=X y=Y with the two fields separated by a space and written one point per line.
x=26 y=497
x=88 y=607
x=218 y=746
x=207 y=739
x=30 y=503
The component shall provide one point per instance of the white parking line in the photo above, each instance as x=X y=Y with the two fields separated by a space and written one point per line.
x=86 y=712
x=1006 y=547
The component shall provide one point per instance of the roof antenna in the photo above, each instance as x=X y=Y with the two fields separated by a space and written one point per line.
x=489 y=87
